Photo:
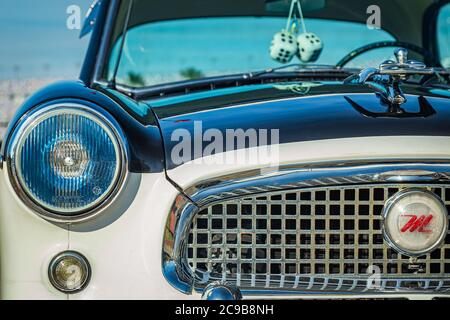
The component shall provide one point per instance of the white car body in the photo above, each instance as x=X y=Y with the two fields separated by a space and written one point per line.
x=126 y=255
x=330 y=128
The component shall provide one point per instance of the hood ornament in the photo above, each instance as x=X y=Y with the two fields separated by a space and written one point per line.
x=388 y=78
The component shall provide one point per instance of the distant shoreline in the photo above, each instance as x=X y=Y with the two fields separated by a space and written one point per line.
x=13 y=93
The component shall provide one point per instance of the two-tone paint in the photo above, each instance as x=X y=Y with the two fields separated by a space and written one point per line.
x=124 y=248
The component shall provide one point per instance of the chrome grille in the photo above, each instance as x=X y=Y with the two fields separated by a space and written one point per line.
x=321 y=238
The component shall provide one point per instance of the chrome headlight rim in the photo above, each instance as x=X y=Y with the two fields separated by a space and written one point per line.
x=83 y=262
x=96 y=114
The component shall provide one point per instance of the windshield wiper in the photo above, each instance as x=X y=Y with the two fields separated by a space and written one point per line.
x=296 y=67
x=257 y=77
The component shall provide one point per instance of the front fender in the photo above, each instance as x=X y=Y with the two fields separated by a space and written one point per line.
x=136 y=120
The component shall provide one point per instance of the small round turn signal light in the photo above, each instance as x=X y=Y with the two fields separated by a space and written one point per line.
x=69 y=272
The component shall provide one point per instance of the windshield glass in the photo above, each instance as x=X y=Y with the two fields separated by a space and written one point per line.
x=443 y=35
x=177 y=50
x=177 y=40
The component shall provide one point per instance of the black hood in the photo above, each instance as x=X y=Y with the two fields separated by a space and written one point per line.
x=305 y=112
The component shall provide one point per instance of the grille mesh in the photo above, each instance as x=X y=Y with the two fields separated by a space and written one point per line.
x=292 y=236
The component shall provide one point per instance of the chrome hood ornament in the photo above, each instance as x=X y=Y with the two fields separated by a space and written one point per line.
x=387 y=79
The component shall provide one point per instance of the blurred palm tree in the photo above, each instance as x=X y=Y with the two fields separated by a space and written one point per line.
x=136 y=79
x=191 y=73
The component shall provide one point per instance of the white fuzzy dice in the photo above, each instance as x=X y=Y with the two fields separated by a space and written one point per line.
x=284 y=47
x=309 y=47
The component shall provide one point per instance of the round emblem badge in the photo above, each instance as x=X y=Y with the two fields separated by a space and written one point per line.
x=415 y=222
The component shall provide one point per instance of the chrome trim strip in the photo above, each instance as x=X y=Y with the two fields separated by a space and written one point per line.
x=177 y=226
x=174 y=266
x=317 y=285
x=103 y=50
x=442 y=288
x=318 y=174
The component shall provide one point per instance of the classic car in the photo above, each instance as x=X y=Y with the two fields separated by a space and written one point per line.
x=194 y=158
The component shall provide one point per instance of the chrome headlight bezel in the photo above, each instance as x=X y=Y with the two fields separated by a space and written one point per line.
x=84 y=264
x=95 y=114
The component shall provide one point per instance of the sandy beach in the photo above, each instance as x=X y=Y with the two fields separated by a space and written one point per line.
x=13 y=93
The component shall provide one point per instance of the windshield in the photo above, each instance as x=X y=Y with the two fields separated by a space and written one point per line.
x=170 y=51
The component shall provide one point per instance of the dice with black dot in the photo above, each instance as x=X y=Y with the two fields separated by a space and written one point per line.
x=284 y=47
x=309 y=47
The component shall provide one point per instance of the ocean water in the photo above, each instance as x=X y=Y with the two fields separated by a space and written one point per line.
x=35 y=41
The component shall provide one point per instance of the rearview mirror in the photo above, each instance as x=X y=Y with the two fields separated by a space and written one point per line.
x=282 y=6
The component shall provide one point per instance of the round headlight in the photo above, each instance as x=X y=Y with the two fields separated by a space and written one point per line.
x=69 y=272
x=67 y=159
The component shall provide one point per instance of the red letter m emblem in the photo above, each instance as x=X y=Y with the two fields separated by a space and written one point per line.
x=418 y=224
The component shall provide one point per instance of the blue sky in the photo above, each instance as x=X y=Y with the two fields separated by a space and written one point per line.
x=35 y=41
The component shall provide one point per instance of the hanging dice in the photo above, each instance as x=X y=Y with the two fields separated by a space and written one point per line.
x=284 y=47
x=309 y=47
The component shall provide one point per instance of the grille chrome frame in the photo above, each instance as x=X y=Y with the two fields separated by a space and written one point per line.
x=175 y=265
x=298 y=240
